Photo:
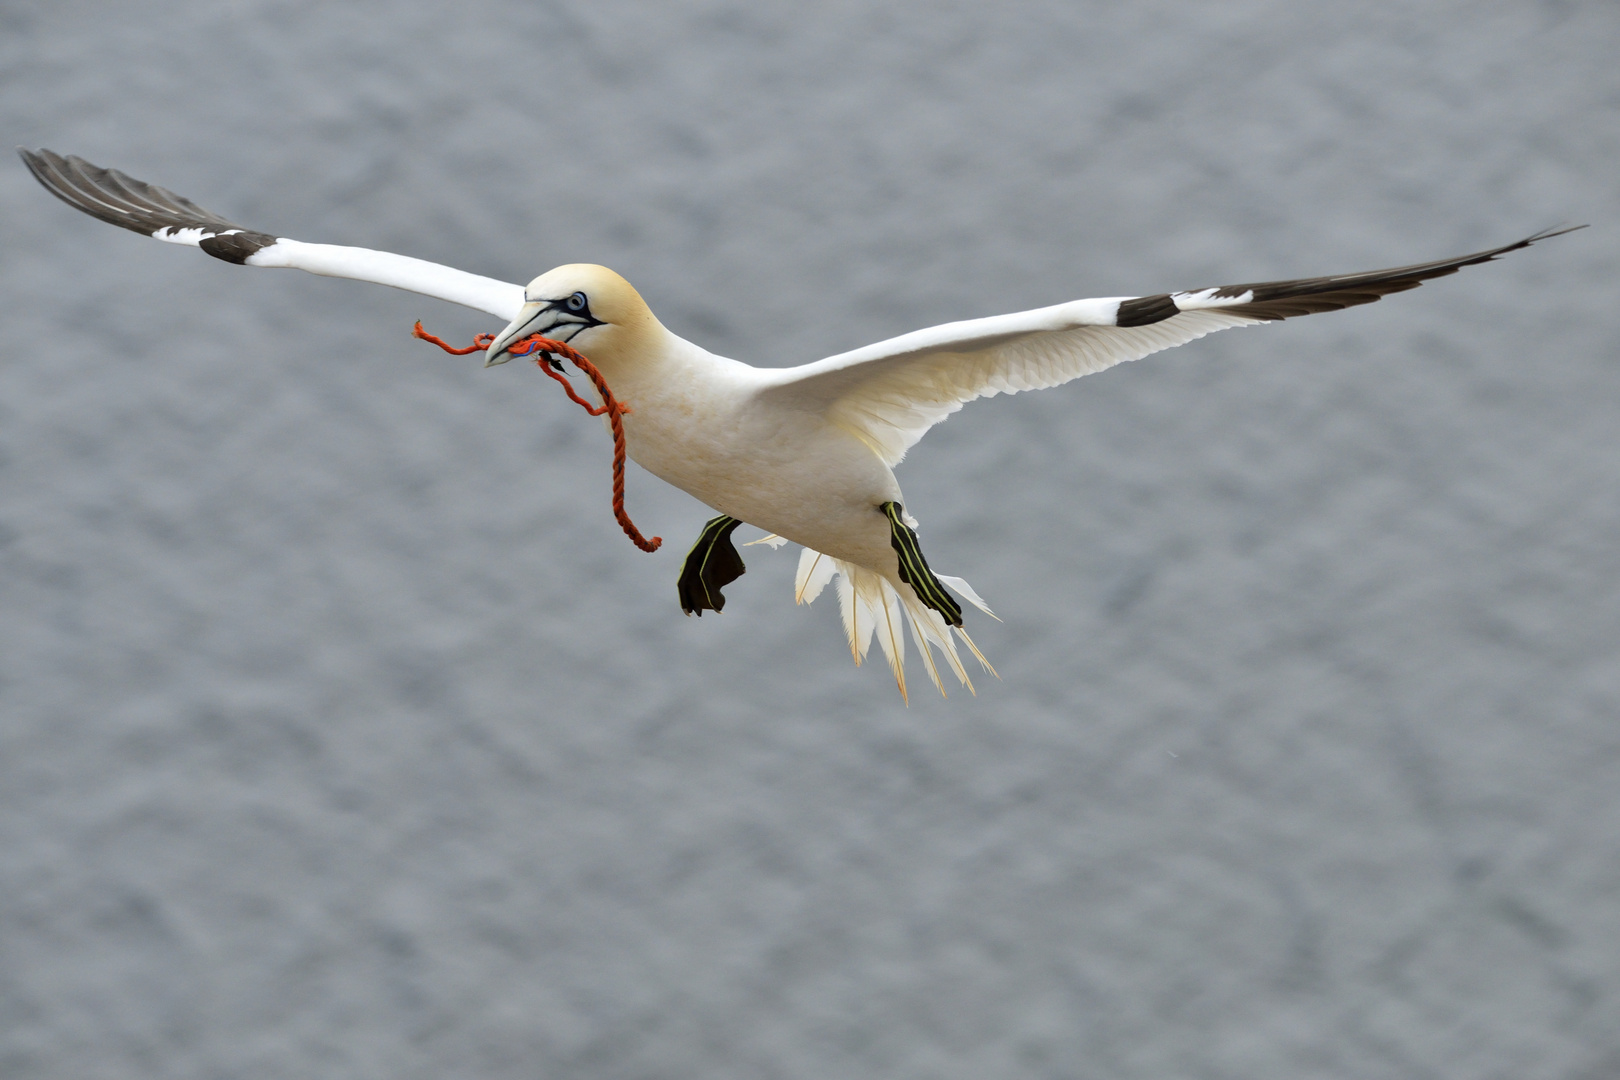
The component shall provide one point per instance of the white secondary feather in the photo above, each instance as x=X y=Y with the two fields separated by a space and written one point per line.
x=1208 y=298
x=192 y=237
x=889 y=394
x=500 y=298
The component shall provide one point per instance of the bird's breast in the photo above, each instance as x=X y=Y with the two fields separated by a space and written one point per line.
x=787 y=471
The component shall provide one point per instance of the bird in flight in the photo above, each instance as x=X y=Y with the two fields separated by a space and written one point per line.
x=805 y=453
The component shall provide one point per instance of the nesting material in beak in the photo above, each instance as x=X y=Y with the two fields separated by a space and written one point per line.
x=519 y=328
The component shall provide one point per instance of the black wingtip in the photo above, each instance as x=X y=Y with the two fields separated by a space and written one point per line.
x=1556 y=230
x=36 y=160
x=1544 y=234
x=119 y=199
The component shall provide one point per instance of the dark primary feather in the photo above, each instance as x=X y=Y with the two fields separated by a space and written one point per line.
x=120 y=199
x=117 y=198
x=1307 y=296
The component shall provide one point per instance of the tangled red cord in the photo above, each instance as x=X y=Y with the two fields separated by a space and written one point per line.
x=545 y=349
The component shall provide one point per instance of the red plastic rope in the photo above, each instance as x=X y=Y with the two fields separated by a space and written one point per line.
x=546 y=349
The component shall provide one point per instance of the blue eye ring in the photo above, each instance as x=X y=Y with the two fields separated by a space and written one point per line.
x=577 y=302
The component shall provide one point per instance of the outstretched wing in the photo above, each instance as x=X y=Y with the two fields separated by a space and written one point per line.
x=121 y=200
x=889 y=394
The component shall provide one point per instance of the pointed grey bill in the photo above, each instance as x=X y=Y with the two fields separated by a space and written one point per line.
x=516 y=330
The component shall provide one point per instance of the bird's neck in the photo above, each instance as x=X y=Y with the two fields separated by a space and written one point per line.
x=634 y=357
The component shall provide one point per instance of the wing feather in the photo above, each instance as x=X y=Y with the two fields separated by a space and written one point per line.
x=889 y=394
x=119 y=199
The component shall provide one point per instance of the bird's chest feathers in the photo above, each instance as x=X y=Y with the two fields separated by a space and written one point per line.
x=706 y=434
x=680 y=428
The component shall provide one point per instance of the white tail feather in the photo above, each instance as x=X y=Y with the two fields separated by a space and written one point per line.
x=815 y=570
x=850 y=605
x=871 y=604
x=892 y=636
x=965 y=591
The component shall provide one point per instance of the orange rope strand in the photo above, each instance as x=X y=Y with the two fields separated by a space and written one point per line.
x=545 y=349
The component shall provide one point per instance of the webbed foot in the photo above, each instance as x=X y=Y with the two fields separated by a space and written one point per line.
x=713 y=562
x=914 y=568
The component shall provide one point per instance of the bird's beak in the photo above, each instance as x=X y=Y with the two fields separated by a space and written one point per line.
x=527 y=322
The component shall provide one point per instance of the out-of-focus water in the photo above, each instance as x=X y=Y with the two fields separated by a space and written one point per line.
x=342 y=734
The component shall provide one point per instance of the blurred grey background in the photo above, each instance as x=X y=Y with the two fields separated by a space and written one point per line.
x=344 y=735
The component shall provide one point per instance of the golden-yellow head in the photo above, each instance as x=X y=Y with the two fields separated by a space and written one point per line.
x=587 y=306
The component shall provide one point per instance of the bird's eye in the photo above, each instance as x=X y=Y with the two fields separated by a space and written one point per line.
x=576 y=302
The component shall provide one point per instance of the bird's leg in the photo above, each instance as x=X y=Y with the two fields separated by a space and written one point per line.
x=711 y=563
x=914 y=568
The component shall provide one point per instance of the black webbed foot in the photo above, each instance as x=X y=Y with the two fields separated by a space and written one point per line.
x=713 y=562
x=914 y=568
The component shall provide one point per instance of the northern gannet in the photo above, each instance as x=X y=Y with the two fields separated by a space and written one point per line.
x=805 y=453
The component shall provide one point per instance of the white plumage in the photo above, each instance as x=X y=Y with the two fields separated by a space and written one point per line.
x=806 y=453
x=499 y=298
